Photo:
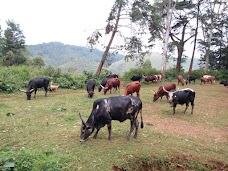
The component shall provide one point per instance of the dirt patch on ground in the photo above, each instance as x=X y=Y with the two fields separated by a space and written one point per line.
x=177 y=126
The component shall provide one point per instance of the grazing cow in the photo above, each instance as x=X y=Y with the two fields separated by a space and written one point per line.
x=90 y=85
x=225 y=83
x=158 y=77
x=132 y=87
x=112 y=83
x=204 y=80
x=151 y=78
x=34 y=84
x=53 y=87
x=191 y=78
x=103 y=83
x=181 y=80
x=183 y=96
x=161 y=92
x=209 y=78
x=105 y=110
x=136 y=78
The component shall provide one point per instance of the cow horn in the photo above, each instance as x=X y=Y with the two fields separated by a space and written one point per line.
x=101 y=86
x=153 y=91
x=23 y=91
x=165 y=89
x=144 y=76
x=82 y=119
x=31 y=90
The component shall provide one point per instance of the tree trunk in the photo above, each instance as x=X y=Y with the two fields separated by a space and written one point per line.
x=207 y=55
x=166 y=38
x=180 y=52
x=104 y=57
x=196 y=32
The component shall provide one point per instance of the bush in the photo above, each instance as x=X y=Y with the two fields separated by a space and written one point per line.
x=26 y=160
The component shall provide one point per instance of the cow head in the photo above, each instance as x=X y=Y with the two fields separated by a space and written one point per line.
x=90 y=94
x=28 y=93
x=86 y=130
x=156 y=96
x=171 y=95
x=100 y=88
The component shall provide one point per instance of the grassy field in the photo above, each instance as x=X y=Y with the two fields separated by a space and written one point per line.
x=43 y=133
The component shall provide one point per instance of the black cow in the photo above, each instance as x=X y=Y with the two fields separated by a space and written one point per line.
x=191 y=78
x=90 y=85
x=103 y=83
x=105 y=110
x=36 y=83
x=136 y=78
x=183 y=96
x=225 y=83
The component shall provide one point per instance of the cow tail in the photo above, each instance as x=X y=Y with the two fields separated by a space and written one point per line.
x=141 y=119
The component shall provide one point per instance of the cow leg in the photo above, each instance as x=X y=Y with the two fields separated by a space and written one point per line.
x=95 y=135
x=187 y=104
x=174 y=107
x=136 y=128
x=109 y=125
x=35 y=93
x=45 y=91
x=131 y=129
x=192 y=104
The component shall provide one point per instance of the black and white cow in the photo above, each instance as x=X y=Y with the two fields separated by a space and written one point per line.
x=90 y=85
x=36 y=83
x=105 y=110
x=191 y=78
x=182 y=96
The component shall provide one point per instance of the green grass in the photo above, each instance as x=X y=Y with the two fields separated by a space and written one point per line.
x=43 y=133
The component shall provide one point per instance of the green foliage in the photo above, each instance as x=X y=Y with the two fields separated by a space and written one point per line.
x=27 y=160
x=171 y=74
x=37 y=61
x=14 y=46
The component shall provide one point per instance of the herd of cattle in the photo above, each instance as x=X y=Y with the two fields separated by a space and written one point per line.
x=124 y=107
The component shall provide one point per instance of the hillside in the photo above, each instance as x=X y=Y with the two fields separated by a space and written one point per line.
x=78 y=58
x=67 y=57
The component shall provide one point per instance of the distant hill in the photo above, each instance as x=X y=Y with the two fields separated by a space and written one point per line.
x=78 y=58
x=67 y=57
x=122 y=66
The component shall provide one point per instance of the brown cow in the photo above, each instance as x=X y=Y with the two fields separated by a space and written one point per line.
x=112 y=83
x=54 y=87
x=151 y=78
x=161 y=92
x=208 y=78
x=180 y=79
x=132 y=87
